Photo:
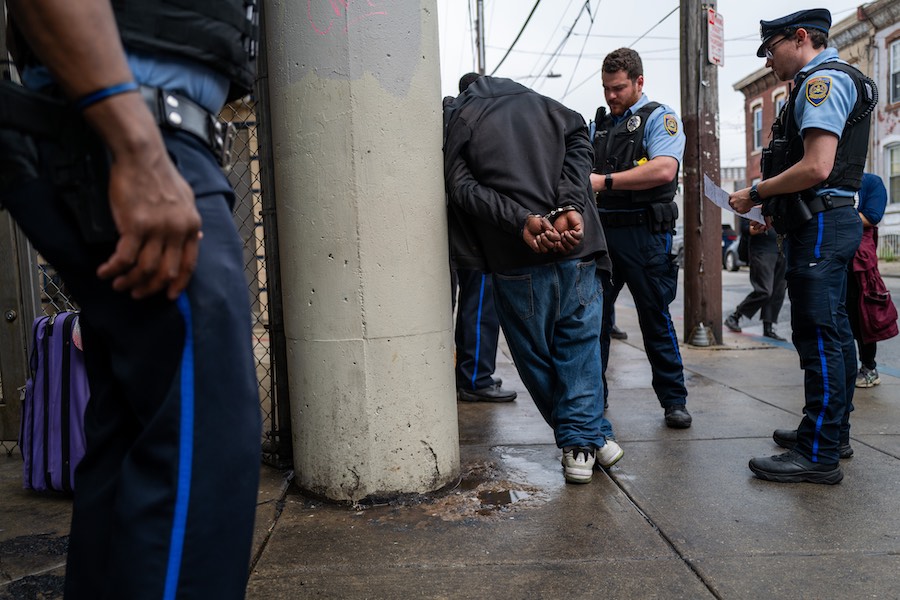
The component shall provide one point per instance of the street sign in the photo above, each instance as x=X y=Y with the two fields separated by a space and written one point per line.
x=715 y=46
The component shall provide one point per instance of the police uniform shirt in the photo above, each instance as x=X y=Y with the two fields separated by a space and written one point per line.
x=825 y=102
x=663 y=134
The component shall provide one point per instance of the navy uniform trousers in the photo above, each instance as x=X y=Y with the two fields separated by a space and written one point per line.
x=477 y=330
x=817 y=255
x=642 y=260
x=166 y=493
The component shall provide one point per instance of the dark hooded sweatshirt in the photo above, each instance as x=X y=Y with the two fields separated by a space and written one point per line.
x=510 y=152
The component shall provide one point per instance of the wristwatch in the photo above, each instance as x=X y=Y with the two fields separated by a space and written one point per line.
x=608 y=181
x=754 y=194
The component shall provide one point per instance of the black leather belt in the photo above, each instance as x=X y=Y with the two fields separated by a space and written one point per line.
x=827 y=202
x=623 y=219
x=177 y=111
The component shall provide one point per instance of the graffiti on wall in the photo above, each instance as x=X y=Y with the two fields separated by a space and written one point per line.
x=324 y=14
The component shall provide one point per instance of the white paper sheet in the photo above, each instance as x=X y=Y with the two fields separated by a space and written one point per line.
x=719 y=197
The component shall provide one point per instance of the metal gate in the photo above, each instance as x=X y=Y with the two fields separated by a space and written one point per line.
x=255 y=218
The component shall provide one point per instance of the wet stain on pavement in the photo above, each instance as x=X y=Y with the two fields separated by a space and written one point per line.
x=34 y=587
x=483 y=492
x=46 y=544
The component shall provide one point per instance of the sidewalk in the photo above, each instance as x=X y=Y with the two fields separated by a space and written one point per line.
x=680 y=516
x=889 y=268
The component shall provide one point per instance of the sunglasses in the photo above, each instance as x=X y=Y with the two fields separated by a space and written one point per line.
x=769 y=55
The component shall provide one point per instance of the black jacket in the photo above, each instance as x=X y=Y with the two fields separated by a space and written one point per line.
x=510 y=152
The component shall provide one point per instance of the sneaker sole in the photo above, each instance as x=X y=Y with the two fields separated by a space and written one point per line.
x=828 y=478
x=473 y=398
x=578 y=475
x=868 y=384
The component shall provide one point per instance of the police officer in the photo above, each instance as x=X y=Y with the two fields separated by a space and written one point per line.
x=638 y=148
x=811 y=171
x=166 y=493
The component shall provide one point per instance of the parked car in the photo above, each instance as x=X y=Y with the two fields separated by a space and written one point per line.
x=729 y=235
x=678 y=246
x=736 y=253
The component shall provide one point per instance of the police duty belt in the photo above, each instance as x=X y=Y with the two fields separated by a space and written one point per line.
x=44 y=116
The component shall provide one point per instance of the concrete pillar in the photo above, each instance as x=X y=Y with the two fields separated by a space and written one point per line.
x=356 y=121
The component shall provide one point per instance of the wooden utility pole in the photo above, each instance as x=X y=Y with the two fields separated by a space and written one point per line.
x=702 y=219
x=479 y=34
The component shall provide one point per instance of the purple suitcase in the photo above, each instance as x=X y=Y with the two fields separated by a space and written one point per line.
x=52 y=435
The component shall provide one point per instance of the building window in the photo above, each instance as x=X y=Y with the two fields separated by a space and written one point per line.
x=893 y=172
x=895 y=72
x=780 y=99
x=757 y=127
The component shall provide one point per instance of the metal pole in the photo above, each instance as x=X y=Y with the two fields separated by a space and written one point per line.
x=479 y=35
x=281 y=417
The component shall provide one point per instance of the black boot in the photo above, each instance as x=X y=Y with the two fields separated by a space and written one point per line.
x=769 y=332
x=733 y=322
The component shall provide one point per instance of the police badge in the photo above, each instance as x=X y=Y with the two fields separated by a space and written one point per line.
x=633 y=123
x=817 y=90
x=671 y=124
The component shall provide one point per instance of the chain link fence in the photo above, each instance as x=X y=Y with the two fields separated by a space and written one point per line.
x=889 y=246
x=244 y=176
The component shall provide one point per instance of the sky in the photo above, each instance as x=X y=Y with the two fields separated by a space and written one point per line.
x=651 y=27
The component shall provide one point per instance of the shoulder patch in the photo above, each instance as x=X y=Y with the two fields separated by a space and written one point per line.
x=817 y=90
x=671 y=124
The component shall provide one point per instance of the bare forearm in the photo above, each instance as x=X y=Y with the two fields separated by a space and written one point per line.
x=819 y=149
x=656 y=172
x=77 y=41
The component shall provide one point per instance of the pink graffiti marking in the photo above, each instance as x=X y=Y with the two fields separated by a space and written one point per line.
x=337 y=8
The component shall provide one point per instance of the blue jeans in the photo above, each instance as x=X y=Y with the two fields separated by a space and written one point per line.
x=550 y=316
x=817 y=255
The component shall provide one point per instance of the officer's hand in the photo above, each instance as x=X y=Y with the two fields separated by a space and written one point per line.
x=154 y=211
x=539 y=234
x=570 y=226
x=758 y=228
x=152 y=205
x=740 y=201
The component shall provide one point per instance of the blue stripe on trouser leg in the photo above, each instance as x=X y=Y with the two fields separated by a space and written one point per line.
x=826 y=393
x=478 y=331
x=185 y=451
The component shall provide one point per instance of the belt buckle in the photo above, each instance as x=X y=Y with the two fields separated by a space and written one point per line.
x=222 y=138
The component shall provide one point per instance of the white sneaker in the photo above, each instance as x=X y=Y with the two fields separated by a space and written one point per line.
x=609 y=454
x=867 y=378
x=578 y=464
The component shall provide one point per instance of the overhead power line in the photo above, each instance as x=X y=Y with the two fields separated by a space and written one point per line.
x=562 y=44
x=521 y=31
x=550 y=38
x=594 y=74
x=658 y=23
x=578 y=60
